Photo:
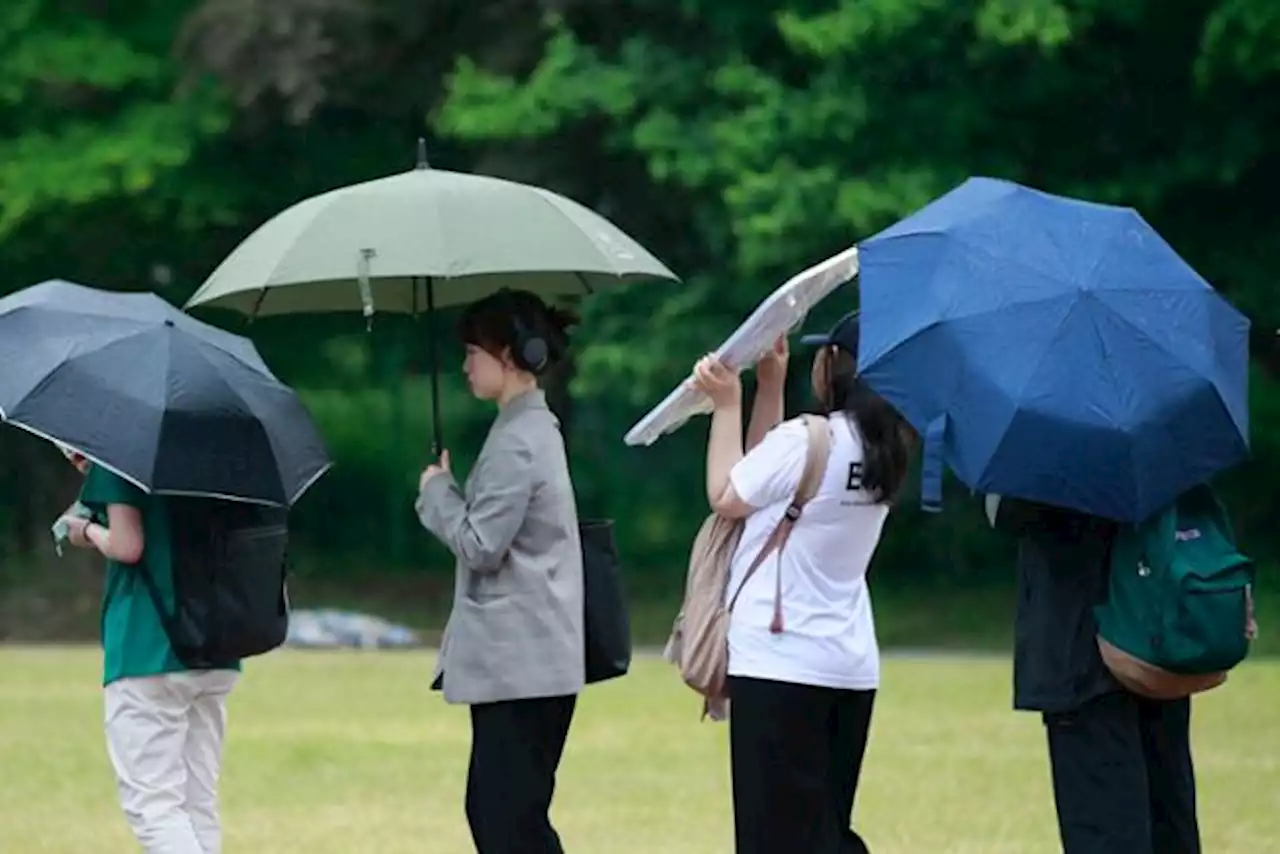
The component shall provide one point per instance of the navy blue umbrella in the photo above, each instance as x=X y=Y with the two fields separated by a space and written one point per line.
x=1054 y=350
x=169 y=403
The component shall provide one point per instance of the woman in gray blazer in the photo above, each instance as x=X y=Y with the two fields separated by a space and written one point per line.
x=513 y=648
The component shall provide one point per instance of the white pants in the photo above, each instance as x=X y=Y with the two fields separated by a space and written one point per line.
x=164 y=737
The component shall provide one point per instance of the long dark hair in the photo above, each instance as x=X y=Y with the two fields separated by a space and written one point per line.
x=887 y=439
x=492 y=323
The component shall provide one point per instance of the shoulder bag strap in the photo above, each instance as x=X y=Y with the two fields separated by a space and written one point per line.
x=815 y=465
x=769 y=545
x=815 y=462
x=168 y=618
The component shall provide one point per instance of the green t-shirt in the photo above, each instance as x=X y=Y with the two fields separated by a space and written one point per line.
x=134 y=642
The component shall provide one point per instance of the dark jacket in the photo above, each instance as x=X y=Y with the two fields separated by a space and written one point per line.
x=1062 y=574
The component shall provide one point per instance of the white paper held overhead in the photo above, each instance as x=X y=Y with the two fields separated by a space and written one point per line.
x=780 y=313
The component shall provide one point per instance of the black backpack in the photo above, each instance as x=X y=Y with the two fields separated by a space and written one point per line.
x=229 y=581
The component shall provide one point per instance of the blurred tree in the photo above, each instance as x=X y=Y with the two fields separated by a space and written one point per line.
x=741 y=141
x=784 y=133
x=90 y=111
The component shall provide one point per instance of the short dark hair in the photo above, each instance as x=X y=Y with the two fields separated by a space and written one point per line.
x=490 y=323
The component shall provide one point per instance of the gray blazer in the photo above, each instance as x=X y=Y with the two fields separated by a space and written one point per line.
x=516 y=629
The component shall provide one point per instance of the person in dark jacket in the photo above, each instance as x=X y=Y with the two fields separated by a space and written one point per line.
x=1123 y=779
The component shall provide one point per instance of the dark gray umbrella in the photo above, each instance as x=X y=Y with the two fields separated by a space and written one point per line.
x=169 y=403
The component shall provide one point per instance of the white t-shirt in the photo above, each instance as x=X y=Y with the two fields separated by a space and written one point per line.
x=829 y=635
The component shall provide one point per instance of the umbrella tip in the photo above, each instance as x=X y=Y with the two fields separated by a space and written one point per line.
x=422 y=154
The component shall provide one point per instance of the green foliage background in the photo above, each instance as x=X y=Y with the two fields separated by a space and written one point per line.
x=741 y=140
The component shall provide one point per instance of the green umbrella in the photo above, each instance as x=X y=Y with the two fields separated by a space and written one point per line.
x=423 y=240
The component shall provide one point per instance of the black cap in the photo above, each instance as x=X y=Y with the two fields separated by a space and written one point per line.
x=844 y=334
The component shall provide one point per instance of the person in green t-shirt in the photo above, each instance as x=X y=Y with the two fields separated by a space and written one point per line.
x=164 y=722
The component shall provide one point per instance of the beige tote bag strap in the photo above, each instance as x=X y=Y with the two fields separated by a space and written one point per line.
x=815 y=461
x=817 y=450
x=769 y=545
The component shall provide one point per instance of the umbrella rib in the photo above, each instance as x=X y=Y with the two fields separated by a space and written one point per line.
x=1133 y=446
x=257 y=369
x=1018 y=262
x=280 y=259
x=34 y=431
x=549 y=201
x=1044 y=354
x=260 y=367
x=1006 y=307
x=217 y=368
x=975 y=315
x=276 y=385
x=1017 y=404
x=310 y=482
x=218 y=496
x=68 y=359
x=1102 y=253
x=1148 y=337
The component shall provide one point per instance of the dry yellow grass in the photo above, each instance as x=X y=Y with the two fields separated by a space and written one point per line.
x=345 y=753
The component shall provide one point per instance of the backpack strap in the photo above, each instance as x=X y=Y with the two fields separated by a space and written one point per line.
x=168 y=618
x=818 y=449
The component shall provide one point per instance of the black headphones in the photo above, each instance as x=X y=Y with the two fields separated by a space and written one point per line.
x=529 y=350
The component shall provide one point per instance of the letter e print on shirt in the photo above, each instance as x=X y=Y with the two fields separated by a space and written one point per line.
x=854 y=483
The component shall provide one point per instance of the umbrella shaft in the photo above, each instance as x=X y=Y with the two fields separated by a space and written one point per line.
x=433 y=354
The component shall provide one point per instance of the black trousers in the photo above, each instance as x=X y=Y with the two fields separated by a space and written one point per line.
x=515 y=750
x=797 y=753
x=1123 y=780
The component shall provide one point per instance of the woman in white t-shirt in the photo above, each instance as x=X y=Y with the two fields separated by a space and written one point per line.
x=802 y=696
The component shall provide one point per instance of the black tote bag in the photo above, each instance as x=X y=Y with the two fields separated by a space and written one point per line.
x=608 y=622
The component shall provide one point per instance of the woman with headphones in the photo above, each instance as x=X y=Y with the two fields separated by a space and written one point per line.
x=804 y=664
x=513 y=648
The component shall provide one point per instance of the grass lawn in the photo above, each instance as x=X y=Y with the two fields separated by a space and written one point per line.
x=345 y=753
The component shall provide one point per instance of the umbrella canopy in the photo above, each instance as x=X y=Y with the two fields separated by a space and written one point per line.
x=421 y=239
x=169 y=403
x=1054 y=350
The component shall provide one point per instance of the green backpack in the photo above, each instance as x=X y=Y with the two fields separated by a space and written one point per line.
x=1179 y=608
